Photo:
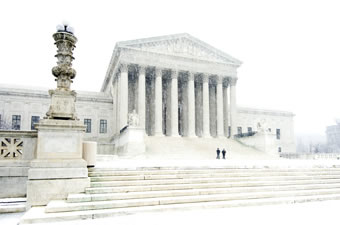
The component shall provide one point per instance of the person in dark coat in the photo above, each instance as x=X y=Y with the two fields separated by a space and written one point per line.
x=223 y=153
x=218 y=151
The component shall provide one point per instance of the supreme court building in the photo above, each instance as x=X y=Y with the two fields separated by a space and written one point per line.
x=174 y=85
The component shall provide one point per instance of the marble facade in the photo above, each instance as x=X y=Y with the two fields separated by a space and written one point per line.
x=178 y=85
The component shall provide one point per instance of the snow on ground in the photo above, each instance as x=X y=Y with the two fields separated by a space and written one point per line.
x=314 y=213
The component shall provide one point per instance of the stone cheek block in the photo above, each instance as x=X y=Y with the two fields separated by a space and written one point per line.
x=54 y=189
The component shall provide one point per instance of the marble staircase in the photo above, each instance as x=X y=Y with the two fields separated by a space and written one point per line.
x=115 y=192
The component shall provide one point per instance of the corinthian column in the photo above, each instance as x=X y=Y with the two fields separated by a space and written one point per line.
x=205 y=105
x=124 y=98
x=158 y=103
x=174 y=103
x=141 y=96
x=191 y=105
x=225 y=108
x=233 y=109
x=219 y=104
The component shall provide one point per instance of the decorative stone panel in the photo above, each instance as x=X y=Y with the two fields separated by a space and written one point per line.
x=11 y=148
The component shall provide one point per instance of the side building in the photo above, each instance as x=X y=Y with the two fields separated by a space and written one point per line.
x=333 y=137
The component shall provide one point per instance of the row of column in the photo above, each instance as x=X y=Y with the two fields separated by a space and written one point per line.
x=222 y=102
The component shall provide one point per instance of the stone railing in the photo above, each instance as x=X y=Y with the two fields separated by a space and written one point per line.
x=320 y=156
x=17 y=145
x=17 y=150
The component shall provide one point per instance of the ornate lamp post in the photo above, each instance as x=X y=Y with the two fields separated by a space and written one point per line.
x=58 y=168
x=63 y=99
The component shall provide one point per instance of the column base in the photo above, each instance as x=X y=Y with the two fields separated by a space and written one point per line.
x=191 y=136
x=160 y=134
x=206 y=136
x=221 y=136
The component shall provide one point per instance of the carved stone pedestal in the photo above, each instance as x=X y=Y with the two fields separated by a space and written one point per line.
x=58 y=168
x=131 y=142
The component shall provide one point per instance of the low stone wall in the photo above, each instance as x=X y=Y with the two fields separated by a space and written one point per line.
x=17 y=149
x=316 y=156
x=265 y=142
x=131 y=142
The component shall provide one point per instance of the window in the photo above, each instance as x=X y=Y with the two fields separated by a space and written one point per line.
x=278 y=134
x=16 y=121
x=250 y=130
x=34 y=120
x=103 y=126
x=87 y=123
x=229 y=131
x=239 y=130
x=270 y=129
x=279 y=149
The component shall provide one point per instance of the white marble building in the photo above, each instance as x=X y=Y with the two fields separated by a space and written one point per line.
x=178 y=86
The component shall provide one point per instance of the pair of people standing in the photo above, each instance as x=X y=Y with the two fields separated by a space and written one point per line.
x=218 y=151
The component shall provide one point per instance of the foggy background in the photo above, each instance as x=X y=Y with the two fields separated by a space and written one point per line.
x=290 y=49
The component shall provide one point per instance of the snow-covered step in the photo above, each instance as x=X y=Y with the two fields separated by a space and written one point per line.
x=111 y=172
x=209 y=175
x=63 y=206
x=207 y=180
x=12 y=205
x=124 y=189
x=72 y=198
x=38 y=214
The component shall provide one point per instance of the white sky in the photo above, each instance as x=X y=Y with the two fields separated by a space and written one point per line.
x=290 y=49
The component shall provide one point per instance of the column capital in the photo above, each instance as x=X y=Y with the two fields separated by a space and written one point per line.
x=117 y=75
x=174 y=74
x=225 y=82
x=219 y=79
x=233 y=81
x=205 y=77
x=123 y=67
x=191 y=75
x=141 y=69
x=158 y=72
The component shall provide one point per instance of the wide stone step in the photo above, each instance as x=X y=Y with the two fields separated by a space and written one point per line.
x=73 y=198
x=12 y=205
x=63 y=206
x=207 y=180
x=147 y=171
x=123 y=189
x=209 y=175
x=38 y=214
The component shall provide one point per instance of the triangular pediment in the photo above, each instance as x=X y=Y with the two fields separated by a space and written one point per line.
x=183 y=45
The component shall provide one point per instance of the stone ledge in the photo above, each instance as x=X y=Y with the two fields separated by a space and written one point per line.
x=58 y=163
x=56 y=173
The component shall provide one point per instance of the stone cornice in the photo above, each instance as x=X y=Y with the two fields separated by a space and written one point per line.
x=133 y=56
x=264 y=112
x=169 y=38
x=40 y=94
